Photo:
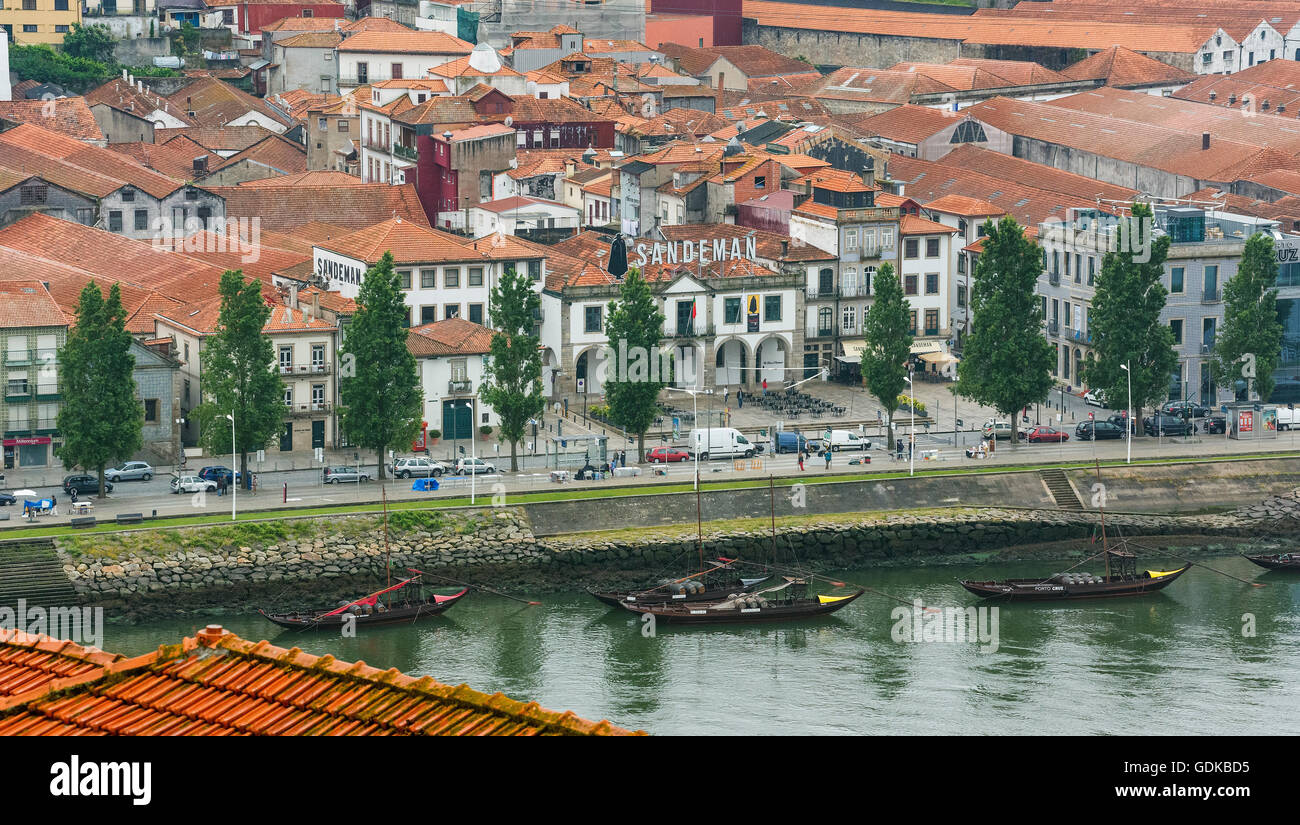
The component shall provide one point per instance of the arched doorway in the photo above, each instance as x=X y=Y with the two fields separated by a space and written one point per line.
x=730 y=363
x=770 y=361
x=588 y=369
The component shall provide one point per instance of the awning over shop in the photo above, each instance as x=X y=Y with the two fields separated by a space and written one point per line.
x=852 y=351
x=938 y=358
x=919 y=347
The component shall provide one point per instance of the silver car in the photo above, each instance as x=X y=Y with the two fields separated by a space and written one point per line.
x=420 y=467
x=474 y=466
x=343 y=475
x=130 y=471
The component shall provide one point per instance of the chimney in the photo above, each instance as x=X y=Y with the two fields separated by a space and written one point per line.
x=210 y=635
x=201 y=165
x=139 y=84
x=1205 y=140
x=1232 y=98
x=1213 y=95
x=868 y=173
x=293 y=295
x=124 y=74
x=785 y=248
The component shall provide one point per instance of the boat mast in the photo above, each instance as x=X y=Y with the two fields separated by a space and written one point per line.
x=1101 y=507
x=388 y=563
x=699 y=525
x=771 y=488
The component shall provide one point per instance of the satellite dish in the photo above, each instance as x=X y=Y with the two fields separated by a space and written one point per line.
x=514 y=163
x=510 y=121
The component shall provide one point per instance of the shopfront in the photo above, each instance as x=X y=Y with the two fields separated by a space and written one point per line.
x=32 y=451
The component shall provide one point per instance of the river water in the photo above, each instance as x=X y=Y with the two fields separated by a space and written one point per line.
x=1179 y=661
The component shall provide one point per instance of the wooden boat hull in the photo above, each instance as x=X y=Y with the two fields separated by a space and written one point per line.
x=616 y=598
x=404 y=614
x=1040 y=590
x=698 y=613
x=1277 y=562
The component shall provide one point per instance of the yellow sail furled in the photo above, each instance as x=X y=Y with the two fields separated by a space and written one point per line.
x=1155 y=574
x=829 y=599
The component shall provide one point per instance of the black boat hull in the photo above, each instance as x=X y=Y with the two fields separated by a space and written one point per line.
x=700 y=614
x=1276 y=562
x=397 y=615
x=616 y=598
x=1038 y=590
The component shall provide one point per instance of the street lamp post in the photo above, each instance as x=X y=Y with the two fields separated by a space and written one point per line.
x=695 y=412
x=911 y=441
x=1128 y=425
x=234 y=473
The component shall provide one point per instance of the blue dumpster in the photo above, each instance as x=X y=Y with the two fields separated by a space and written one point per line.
x=424 y=485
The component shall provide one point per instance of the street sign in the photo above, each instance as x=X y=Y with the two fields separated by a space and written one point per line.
x=582 y=385
x=1091 y=416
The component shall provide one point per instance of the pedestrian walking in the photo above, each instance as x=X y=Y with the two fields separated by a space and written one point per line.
x=740 y=399
x=827 y=456
x=764 y=387
x=725 y=395
x=898 y=449
x=221 y=485
x=801 y=460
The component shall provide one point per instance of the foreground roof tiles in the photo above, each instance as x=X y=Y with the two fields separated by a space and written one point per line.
x=66 y=115
x=27 y=304
x=217 y=684
x=405 y=42
x=454 y=336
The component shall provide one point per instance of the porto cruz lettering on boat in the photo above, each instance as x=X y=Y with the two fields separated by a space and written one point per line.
x=701 y=251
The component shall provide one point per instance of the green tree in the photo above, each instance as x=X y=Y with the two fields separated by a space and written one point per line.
x=514 y=375
x=90 y=42
x=1126 y=327
x=382 y=401
x=100 y=418
x=1250 y=321
x=1006 y=362
x=887 y=330
x=633 y=382
x=239 y=375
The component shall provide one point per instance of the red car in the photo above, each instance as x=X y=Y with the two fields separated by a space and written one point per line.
x=660 y=455
x=1046 y=434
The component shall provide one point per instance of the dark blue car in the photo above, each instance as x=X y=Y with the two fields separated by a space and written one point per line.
x=216 y=473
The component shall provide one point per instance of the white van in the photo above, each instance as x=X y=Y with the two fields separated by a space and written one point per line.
x=1285 y=418
x=848 y=440
x=719 y=442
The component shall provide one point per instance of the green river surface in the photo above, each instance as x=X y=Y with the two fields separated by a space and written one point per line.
x=1174 y=662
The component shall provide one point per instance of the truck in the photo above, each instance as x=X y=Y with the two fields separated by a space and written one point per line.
x=790 y=442
x=719 y=442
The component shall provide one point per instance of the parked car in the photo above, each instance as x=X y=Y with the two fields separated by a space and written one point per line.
x=130 y=471
x=1217 y=424
x=193 y=484
x=1051 y=434
x=1118 y=421
x=1096 y=398
x=996 y=429
x=1098 y=430
x=7 y=498
x=342 y=475
x=473 y=466
x=848 y=440
x=1186 y=409
x=421 y=467
x=85 y=484
x=790 y=442
x=216 y=472
x=1167 y=425
x=663 y=455
x=719 y=442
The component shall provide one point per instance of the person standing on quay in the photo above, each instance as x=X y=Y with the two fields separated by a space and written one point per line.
x=801 y=459
x=827 y=456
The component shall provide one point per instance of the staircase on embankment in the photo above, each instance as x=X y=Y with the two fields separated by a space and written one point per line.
x=1062 y=492
x=30 y=569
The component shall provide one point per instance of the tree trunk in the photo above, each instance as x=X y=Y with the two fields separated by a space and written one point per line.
x=514 y=456
x=379 y=456
x=102 y=494
x=640 y=447
x=245 y=480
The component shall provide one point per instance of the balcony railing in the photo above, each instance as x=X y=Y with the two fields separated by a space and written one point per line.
x=1053 y=328
x=460 y=387
x=21 y=356
x=691 y=331
x=305 y=410
x=407 y=152
x=46 y=425
x=1210 y=295
x=321 y=368
x=815 y=294
x=819 y=332
x=1207 y=347
x=855 y=291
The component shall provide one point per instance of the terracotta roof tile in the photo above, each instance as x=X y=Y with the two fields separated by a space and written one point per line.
x=283 y=205
x=215 y=138
x=1118 y=66
x=219 y=684
x=65 y=283
x=175 y=159
x=26 y=304
x=405 y=42
x=120 y=94
x=277 y=153
x=962 y=205
x=311 y=40
x=409 y=243
x=460 y=67
x=907 y=123
x=454 y=336
x=29 y=146
x=216 y=103
x=66 y=115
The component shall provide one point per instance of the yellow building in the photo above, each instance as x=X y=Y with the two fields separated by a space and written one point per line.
x=38 y=21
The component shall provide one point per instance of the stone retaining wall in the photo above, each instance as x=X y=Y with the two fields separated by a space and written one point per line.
x=310 y=562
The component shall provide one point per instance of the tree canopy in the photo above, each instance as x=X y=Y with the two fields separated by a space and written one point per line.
x=1250 y=321
x=887 y=330
x=513 y=383
x=633 y=381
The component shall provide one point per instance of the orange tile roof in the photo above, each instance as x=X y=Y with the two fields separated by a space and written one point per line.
x=311 y=40
x=460 y=67
x=216 y=103
x=219 y=684
x=31 y=146
x=120 y=94
x=1154 y=36
x=962 y=205
x=1012 y=72
x=375 y=24
x=585 y=254
x=316 y=177
x=603 y=46
x=175 y=159
x=1119 y=66
x=215 y=138
x=502 y=247
x=409 y=243
x=27 y=304
x=283 y=207
x=907 y=123
x=112 y=257
x=838 y=180
x=913 y=225
x=65 y=284
x=766 y=244
x=303 y=24
x=405 y=42
x=274 y=152
x=454 y=336
x=66 y=115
